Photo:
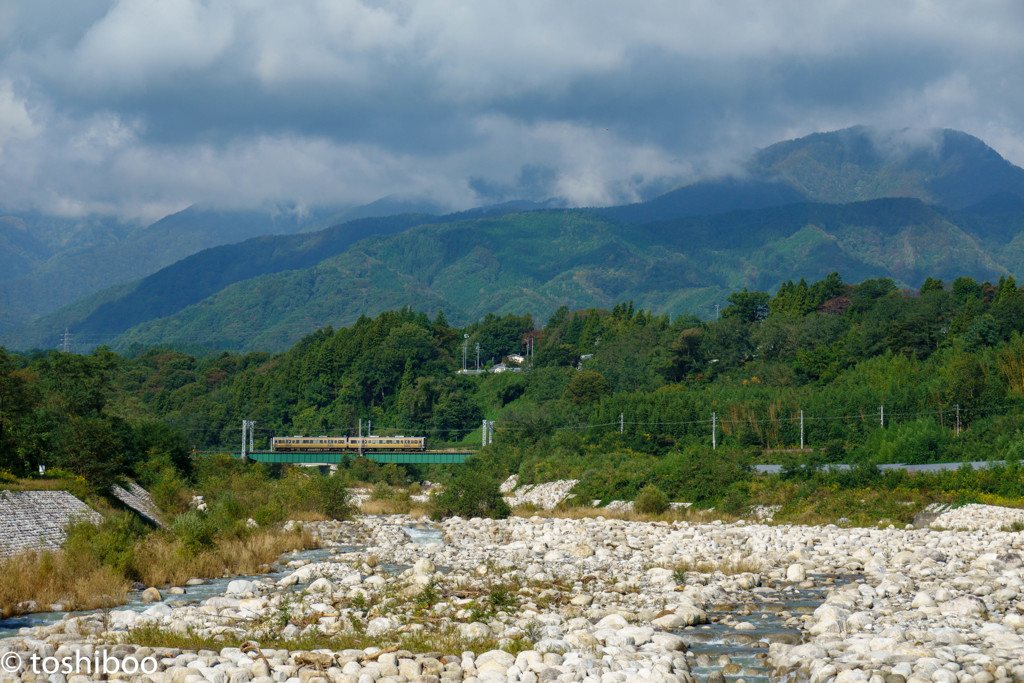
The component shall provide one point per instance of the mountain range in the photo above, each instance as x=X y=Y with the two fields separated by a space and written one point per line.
x=905 y=205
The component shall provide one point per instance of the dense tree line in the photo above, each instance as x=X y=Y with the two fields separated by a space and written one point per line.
x=630 y=388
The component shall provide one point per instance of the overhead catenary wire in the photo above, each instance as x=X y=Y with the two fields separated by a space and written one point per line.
x=714 y=419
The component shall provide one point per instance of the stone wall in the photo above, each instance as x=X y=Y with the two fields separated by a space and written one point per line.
x=139 y=500
x=31 y=520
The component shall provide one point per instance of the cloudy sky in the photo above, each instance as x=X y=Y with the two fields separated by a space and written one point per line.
x=141 y=107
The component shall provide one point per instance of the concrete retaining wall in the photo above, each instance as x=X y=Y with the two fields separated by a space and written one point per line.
x=35 y=520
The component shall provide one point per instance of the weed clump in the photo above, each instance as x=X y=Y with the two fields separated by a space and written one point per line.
x=471 y=495
x=651 y=501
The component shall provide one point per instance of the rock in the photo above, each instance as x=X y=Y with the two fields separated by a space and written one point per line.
x=475 y=631
x=151 y=595
x=379 y=626
x=923 y=599
x=967 y=606
x=239 y=587
x=795 y=573
x=321 y=585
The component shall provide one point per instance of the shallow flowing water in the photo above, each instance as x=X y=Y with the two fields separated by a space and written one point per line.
x=719 y=646
x=209 y=589
x=216 y=587
x=747 y=650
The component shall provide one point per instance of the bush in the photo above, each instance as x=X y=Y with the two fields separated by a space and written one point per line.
x=110 y=544
x=195 y=530
x=382 y=491
x=651 y=501
x=332 y=497
x=471 y=495
x=170 y=492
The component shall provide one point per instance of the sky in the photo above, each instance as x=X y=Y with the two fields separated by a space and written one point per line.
x=138 y=108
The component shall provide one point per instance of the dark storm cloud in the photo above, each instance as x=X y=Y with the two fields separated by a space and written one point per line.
x=138 y=107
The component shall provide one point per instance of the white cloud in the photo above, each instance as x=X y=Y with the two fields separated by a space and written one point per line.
x=127 y=106
x=142 y=40
x=15 y=120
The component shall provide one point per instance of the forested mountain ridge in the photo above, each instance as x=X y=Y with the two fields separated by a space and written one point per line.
x=943 y=167
x=73 y=258
x=538 y=261
x=681 y=252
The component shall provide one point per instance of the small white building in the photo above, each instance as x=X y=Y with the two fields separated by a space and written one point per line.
x=501 y=367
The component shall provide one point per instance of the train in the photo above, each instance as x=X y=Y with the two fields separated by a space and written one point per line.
x=350 y=444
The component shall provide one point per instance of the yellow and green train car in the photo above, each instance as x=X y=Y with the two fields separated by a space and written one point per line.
x=342 y=444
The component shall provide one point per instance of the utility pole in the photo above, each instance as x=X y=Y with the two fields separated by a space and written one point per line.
x=881 y=414
x=478 y=356
x=247 y=429
x=622 y=422
x=801 y=430
x=714 y=431
x=360 y=437
x=465 y=343
x=958 y=419
x=716 y=311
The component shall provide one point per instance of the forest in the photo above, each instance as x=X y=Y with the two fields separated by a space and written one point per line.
x=863 y=374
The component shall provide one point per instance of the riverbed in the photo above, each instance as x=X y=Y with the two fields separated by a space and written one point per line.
x=603 y=599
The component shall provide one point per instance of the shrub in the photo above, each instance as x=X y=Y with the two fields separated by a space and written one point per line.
x=651 y=501
x=382 y=491
x=332 y=497
x=471 y=495
x=110 y=544
x=170 y=492
x=195 y=530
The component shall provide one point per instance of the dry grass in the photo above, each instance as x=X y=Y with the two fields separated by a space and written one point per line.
x=395 y=507
x=79 y=581
x=163 y=562
x=586 y=512
x=446 y=641
x=53 y=577
x=307 y=516
x=746 y=565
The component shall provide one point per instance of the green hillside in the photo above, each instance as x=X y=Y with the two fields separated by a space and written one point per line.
x=536 y=262
x=68 y=259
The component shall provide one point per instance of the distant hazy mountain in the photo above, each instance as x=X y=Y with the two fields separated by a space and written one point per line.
x=707 y=197
x=942 y=167
x=63 y=260
x=48 y=262
x=540 y=260
x=898 y=205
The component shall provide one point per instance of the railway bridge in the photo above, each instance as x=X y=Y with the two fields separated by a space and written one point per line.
x=312 y=459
